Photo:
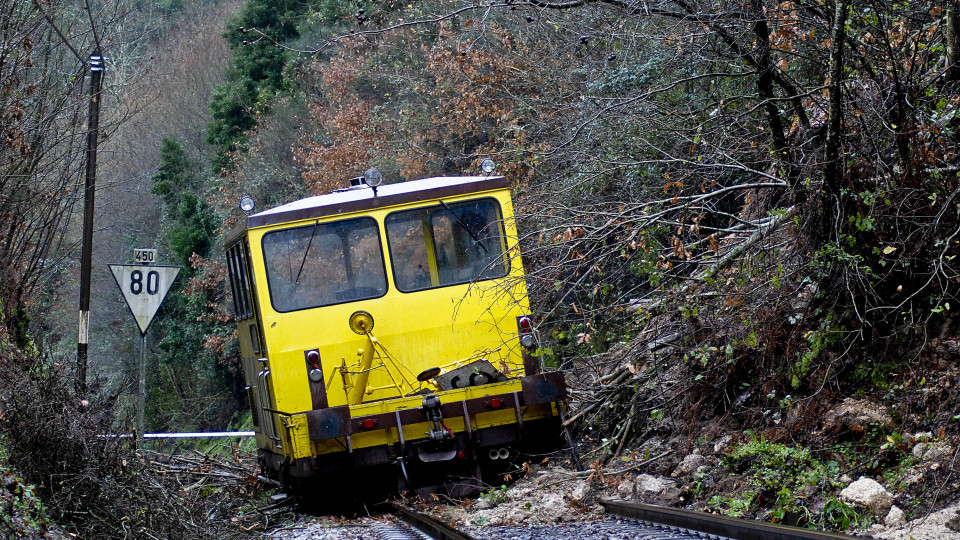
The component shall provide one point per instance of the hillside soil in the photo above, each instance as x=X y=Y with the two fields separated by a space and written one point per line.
x=882 y=462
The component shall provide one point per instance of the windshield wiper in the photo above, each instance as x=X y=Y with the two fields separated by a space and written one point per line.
x=466 y=228
x=306 y=252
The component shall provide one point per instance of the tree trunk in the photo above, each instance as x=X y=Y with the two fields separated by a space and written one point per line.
x=765 y=89
x=832 y=166
x=953 y=42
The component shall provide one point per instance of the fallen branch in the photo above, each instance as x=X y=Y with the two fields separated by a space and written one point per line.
x=644 y=463
x=725 y=261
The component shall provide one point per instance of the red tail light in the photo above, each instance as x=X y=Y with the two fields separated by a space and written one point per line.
x=525 y=324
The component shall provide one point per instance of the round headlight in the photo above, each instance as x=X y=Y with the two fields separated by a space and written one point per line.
x=247 y=203
x=373 y=177
x=488 y=165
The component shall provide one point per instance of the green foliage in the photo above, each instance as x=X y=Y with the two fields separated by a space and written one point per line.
x=495 y=496
x=785 y=479
x=818 y=341
x=175 y=172
x=701 y=355
x=331 y=11
x=22 y=514
x=18 y=324
x=839 y=515
x=735 y=505
x=627 y=78
x=193 y=233
x=232 y=118
x=254 y=34
x=190 y=390
x=193 y=222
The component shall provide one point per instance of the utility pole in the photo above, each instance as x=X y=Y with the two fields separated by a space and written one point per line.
x=86 y=254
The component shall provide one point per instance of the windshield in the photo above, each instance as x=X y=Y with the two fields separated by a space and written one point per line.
x=324 y=264
x=446 y=245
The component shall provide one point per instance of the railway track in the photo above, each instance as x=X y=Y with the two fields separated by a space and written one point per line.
x=712 y=524
x=431 y=529
x=643 y=522
x=626 y=521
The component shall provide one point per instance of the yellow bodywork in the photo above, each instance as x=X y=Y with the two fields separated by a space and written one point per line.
x=442 y=327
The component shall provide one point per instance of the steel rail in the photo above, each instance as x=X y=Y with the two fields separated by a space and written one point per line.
x=738 y=529
x=430 y=526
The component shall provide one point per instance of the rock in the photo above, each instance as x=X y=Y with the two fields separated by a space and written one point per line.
x=927 y=451
x=652 y=484
x=643 y=484
x=794 y=415
x=626 y=489
x=543 y=496
x=895 y=517
x=552 y=506
x=940 y=525
x=578 y=492
x=722 y=444
x=952 y=346
x=483 y=503
x=689 y=464
x=953 y=523
x=912 y=476
x=868 y=492
x=857 y=413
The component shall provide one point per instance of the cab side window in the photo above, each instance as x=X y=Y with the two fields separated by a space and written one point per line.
x=239 y=273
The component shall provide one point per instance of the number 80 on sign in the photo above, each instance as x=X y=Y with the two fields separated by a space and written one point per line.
x=152 y=281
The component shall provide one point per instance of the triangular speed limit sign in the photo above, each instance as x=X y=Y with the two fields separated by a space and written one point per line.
x=144 y=288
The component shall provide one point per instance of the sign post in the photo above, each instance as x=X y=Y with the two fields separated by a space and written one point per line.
x=144 y=286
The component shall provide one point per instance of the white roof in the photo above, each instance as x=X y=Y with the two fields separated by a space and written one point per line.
x=365 y=192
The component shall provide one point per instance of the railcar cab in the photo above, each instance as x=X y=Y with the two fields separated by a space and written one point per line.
x=389 y=326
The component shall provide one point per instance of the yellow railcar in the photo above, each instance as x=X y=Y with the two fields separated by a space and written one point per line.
x=388 y=328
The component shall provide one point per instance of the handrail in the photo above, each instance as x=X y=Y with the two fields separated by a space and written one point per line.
x=195 y=435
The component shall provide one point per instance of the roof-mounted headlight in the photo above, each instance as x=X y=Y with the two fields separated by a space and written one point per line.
x=247 y=203
x=373 y=177
x=488 y=165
